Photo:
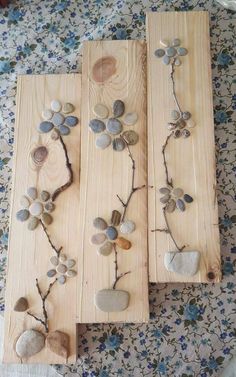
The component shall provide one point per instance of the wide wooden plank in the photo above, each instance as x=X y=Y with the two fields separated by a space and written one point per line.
x=191 y=161
x=113 y=70
x=29 y=251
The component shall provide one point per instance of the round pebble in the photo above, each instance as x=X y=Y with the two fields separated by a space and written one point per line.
x=39 y=154
x=46 y=218
x=175 y=114
x=99 y=223
x=123 y=243
x=191 y=123
x=188 y=198
x=57 y=119
x=98 y=239
x=118 y=144
x=111 y=233
x=70 y=263
x=47 y=114
x=49 y=207
x=71 y=121
x=101 y=111
x=97 y=125
x=54 y=260
x=22 y=215
x=55 y=134
x=170 y=207
x=71 y=273
x=44 y=195
x=33 y=223
x=165 y=198
x=24 y=202
x=56 y=105
x=62 y=258
x=103 y=141
x=164 y=42
x=176 y=42
x=64 y=130
x=180 y=205
x=51 y=273
x=181 y=123
x=177 y=62
x=164 y=190
x=176 y=134
x=171 y=51
x=45 y=126
x=166 y=60
x=68 y=108
x=32 y=192
x=131 y=137
x=118 y=108
x=106 y=249
x=178 y=192
x=127 y=227
x=159 y=53
x=61 y=268
x=186 y=133
x=61 y=280
x=36 y=209
x=186 y=115
x=171 y=126
x=182 y=51
x=130 y=119
x=29 y=343
x=114 y=126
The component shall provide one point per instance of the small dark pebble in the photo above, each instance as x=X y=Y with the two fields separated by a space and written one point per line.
x=188 y=198
x=118 y=108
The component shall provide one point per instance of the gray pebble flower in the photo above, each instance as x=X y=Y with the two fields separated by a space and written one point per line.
x=62 y=268
x=111 y=129
x=171 y=51
x=174 y=198
x=180 y=123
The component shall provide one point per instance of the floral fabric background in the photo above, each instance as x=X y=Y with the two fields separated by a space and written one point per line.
x=192 y=327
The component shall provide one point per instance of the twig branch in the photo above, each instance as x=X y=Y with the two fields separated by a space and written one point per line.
x=169 y=180
x=69 y=168
x=170 y=233
x=173 y=86
x=57 y=251
x=117 y=277
x=160 y=230
x=44 y=297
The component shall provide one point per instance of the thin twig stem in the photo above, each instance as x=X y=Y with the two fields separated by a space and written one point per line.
x=160 y=230
x=170 y=233
x=169 y=180
x=117 y=277
x=57 y=251
x=69 y=168
x=173 y=86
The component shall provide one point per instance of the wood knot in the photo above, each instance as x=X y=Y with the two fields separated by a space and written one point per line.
x=211 y=275
x=104 y=68
x=39 y=155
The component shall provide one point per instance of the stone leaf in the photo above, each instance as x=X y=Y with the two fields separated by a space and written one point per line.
x=21 y=305
x=112 y=300
x=183 y=263
x=29 y=343
x=58 y=342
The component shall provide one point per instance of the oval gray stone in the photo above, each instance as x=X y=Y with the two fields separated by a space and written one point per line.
x=71 y=273
x=180 y=205
x=176 y=42
x=170 y=207
x=44 y=195
x=103 y=141
x=164 y=190
x=182 y=51
x=131 y=137
x=178 y=192
x=32 y=192
x=101 y=111
x=64 y=130
x=166 y=60
x=71 y=121
x=111 y=233
x=175 y=114
x=118 y=144
x=118 y=108
x=51 y=273
x=97 y=125
x=68 y=108
x=171 y=51
x=70 y=263
x=186 y=133
x=184 y=263
x=57 y=119
x=21 y=305
x=54 y=260
x=62 y=258
x=159 y=53
x=106 y=249
x=181 y=123
x=45 y=126
x=188 y=198
x=98 y=239
x=22 y=215
x=130 y=118
x=61 y=268
x=47 y=114
x=62 y=279
x=29 y=343
x=114 y=126
x=50 y=206
x=99 y=223
x=115 y=217
x=36 y=209
x=165 y=198
x=127 y=227
x=33 y=223
x=24 y=201
x=112 y=300
x=47 y=218
x=186 y=115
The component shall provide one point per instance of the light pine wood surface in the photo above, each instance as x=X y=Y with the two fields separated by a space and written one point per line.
x=29 y=251
x=191 y=161
x=121 y=74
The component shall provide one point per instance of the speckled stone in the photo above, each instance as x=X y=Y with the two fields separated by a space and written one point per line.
x=47 y=218
x=118 y=108
x=56 y=105
x=55 y=134
x=97 y=125
x=164 y=42
x=171 y=51
x=186 y=133
x=176 y=42
x=98 y=239
x=130 y=119
x=64 y=130
x=170 y=206
x=159 y=53
x=68 y=108
x=182 y=51
x=36 y=209
x=45 y=126
x=178 y=192
x=181 y=123
x=131 y=137
x=177 y=62
x=62 y=258
x=51 y=273
x=111 y=300
x=47 y=114
x=101 y=111
x=114 y=126
x=123 y=243
x=184 y=263
x=21 y=305
x=188 y=198
x=175 y=115
x=71 y=273
x=29 y=343
x=58 y=119
x=164 y=190
x=106 y=249
x=186 y=115
x=180 y=205
x=191 y=123
x=24 y=202
x=166 y=60
x=165 y=198
x=62 y=279
x=111 y=233
x=44 y=195
x=54 y=260
x=71 y=121
x=49 y=207
x=70 y=263
x=33 y=223
x=103 y=141
x=22 y=215
x=115 y=217
x=99 y=223
x=118 y=144
x=127 y=227
x=61 y=268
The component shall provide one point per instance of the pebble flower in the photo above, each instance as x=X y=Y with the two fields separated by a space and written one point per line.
x=62 y=268
x=174 y=198
x=179 y=123
x=171 y=51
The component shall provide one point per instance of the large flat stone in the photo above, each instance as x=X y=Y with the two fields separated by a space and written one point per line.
x=183 y=263
x=112 y=300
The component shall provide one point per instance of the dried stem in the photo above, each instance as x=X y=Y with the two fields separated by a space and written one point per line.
x=169 y=180
x=169 y=231
x=69 y=168
x=57 y=251
x=173 y=86
x=44 y=297
x=117 y=277
x=160 y=230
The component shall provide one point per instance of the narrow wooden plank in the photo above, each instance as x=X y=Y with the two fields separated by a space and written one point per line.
x=29 y=251
x=191 y=161
x=106 y=173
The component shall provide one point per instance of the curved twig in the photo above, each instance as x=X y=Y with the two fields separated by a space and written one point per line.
x=170 y=233
x=57 y=251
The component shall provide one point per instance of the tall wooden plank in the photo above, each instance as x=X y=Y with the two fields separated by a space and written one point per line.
x=113 y=70
x=29 y=251
x=191 y=161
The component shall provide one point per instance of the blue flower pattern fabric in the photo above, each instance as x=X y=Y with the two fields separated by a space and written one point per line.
x=192 y=327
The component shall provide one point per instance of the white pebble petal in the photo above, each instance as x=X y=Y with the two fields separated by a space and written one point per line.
x=56 y=105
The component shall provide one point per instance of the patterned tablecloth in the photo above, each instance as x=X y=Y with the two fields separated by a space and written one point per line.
x=192 y=327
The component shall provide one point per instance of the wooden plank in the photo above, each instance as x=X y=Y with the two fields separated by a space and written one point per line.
x=29 y=251
x=106 y=173
x=191 y=161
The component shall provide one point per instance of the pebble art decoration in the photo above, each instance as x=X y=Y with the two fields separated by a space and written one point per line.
x=62 y=268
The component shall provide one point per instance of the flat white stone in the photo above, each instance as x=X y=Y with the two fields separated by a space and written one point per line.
x=56 y=105
x=101 y=111
x=183 y=263
x=127 y=227
x=130 y=119
x=191 y=123
x=47 y=114
x=29 y=343
x=112 y=300
x=36 y=209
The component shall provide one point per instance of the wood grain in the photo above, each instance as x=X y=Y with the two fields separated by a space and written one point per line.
x=29 y=251
x=191 y=161
x=113 y=70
